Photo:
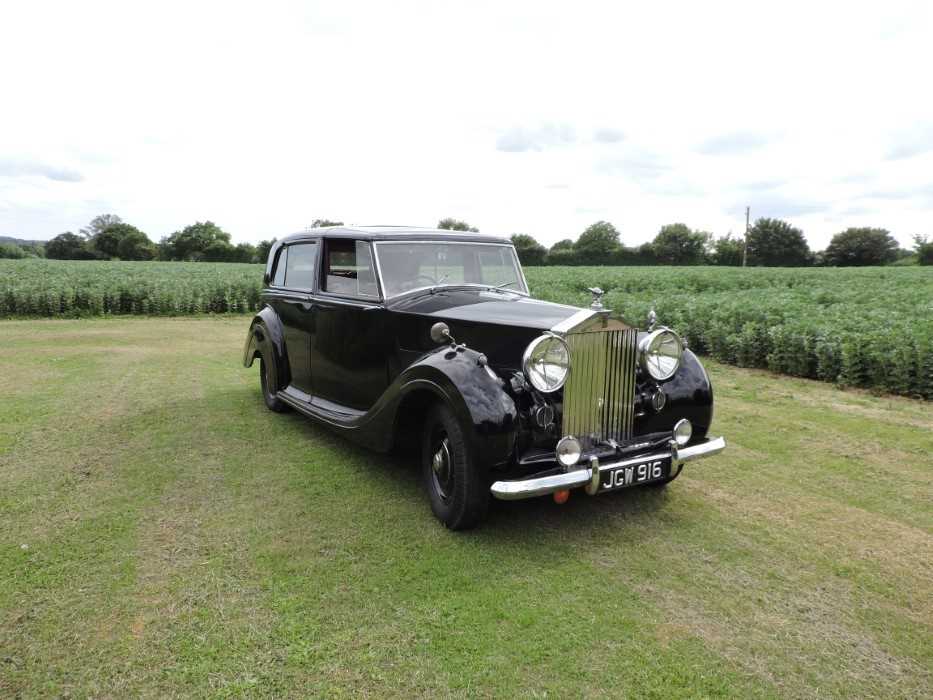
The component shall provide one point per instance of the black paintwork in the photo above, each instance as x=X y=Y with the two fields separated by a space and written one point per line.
x=369 y=369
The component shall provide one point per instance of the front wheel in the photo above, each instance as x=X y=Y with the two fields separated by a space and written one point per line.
x=457 y=487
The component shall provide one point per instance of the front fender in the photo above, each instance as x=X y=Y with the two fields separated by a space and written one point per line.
x=474 y=392
x=689 y=395
x=461 y=379
x=266 y=337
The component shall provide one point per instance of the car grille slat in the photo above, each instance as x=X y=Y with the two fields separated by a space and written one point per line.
x=599 y=396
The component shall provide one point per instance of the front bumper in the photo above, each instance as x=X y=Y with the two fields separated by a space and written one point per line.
x=589 y=476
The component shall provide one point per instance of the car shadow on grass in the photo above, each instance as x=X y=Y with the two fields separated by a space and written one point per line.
x=506 y=518
x=519 y=521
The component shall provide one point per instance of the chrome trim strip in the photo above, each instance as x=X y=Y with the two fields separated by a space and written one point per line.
x=588 y=476
x=711 y=447
x=528 y=488
x=571 y=322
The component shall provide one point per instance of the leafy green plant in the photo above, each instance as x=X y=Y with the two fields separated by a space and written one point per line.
x=865 y=327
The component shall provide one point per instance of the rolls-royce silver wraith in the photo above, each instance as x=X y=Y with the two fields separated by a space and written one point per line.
x=399 y=336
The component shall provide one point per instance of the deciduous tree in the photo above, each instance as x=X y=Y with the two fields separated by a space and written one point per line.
x=262 y=250
x=456 y=225
x=135 y=245
x=861 y=246
x=68 y=246
x=774 y=243
x=11 y=251
x=677 y=244
x=193 y=242
x=564 y=244
x=597 y=242
x=727 y=251
x=530 y=252
x=109 y=242
x=99 y=223
x=924 y=248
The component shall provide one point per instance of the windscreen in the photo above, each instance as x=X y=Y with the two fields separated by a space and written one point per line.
x=408 y=265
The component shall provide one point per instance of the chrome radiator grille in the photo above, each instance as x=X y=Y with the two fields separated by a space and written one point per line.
x=599 y=396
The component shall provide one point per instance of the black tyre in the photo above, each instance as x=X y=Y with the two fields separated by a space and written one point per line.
x=457 y=487
x=267 y=381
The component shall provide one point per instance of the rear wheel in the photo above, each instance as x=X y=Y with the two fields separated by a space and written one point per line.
x=267 y=381
x=457 y=487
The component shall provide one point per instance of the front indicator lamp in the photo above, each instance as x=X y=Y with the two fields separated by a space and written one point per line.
x=683 y=431
x=568 y=451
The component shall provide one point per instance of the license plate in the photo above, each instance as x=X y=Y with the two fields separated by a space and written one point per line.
x=634 y=474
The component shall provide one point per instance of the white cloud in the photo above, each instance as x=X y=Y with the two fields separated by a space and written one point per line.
x=264 y=117
x=608 y=135
x=24 y=168
x=734 y=142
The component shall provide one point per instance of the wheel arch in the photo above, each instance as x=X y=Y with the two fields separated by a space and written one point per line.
x=266 y=338
x=476 y=396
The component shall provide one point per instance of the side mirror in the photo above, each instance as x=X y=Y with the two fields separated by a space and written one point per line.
x=440 y=333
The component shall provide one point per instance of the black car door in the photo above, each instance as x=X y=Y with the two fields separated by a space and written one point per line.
x=291 y=298
x=352 y=342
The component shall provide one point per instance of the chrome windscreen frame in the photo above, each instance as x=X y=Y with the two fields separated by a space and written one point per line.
x=518 y=266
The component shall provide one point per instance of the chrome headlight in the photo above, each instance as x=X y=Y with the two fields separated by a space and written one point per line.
x=661 y=351
x=547 y=363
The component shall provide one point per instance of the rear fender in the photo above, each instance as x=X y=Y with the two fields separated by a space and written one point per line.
x=266 y=337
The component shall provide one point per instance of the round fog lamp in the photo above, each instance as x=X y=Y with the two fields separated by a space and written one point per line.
x=568 y=451
x=683 y=431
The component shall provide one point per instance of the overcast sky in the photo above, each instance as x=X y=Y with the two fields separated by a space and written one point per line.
x=517 y=117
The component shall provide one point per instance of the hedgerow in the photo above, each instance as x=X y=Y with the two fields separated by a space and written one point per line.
x=863 y=327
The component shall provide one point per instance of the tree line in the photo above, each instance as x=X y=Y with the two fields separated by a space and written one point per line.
x=770 y=242
x=108 y=237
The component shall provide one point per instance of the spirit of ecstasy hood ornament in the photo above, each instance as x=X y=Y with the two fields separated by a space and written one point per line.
x=597 y=293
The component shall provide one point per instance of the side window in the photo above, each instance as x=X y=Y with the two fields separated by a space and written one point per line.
x=349 y=269
x=299 y=270
x=278 y=279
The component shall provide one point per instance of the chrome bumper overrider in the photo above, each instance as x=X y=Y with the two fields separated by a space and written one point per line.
x=589 y=476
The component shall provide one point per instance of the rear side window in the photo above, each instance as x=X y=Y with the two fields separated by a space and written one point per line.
x=278 y=278
x=349 y=269
x=299 y=269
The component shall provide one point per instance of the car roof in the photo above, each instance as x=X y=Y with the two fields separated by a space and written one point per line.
x=395 y=233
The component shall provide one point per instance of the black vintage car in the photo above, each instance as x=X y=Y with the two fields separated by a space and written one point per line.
x=399 y=336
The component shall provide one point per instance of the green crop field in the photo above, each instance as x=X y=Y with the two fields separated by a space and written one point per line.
x=162 y=534
x=868 y=327
x=94 y=288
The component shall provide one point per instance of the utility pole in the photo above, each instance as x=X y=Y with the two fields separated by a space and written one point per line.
x=745 y=247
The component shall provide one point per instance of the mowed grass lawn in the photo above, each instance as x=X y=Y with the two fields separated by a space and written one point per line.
x=162 y=533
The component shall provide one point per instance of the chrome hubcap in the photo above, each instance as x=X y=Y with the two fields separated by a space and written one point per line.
x=441 y=470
